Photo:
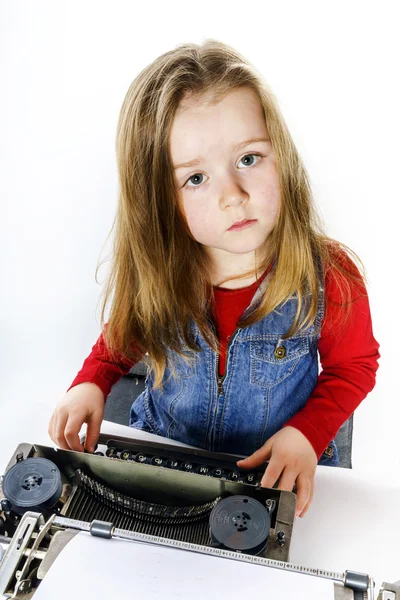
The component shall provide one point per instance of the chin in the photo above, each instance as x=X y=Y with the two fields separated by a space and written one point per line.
x=245 y=249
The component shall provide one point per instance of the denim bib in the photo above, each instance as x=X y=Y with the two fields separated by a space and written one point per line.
x=267 y=380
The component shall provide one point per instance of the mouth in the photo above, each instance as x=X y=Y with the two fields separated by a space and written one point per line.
x=242 y=225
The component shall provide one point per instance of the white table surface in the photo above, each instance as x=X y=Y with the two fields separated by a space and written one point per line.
x=352 y=524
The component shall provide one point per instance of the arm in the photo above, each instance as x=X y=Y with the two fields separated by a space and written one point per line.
x=349 y=360
x=99 y=368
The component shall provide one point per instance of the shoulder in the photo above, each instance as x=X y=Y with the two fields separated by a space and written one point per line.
x=345 y=293
x=344 y=280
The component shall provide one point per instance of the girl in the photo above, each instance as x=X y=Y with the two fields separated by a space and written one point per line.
x=223 y=276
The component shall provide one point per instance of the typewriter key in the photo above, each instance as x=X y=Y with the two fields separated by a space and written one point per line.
x=187 y=466
x=111 y=452
x=218 y=472
x=126 y=455
x=157 y=460
x=240 y=523
x=141 y=458
x=202 y=469
x=32 y=484
x=172 y=463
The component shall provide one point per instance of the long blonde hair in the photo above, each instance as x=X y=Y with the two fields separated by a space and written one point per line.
x=160 y=276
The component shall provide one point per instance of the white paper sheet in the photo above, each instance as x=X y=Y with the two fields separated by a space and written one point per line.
x=110 y=429
x=102 y=569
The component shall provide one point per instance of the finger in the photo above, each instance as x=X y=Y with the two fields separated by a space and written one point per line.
x=307 y=506
x=288 y=479
x=303 y=492
x=272 y=473
x=59 y=439
x=257 y=458
x=93 y=430
x=52 y=427
x=71 y=431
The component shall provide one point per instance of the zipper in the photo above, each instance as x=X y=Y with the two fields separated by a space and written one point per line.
x=220 y=380
x=219 y=377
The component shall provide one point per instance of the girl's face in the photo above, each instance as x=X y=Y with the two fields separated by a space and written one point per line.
x=231 y=177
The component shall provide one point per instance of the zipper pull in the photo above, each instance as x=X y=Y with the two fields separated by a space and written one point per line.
x=220 y=377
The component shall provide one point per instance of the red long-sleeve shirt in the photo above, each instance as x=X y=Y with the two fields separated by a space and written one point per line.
x=348 y=357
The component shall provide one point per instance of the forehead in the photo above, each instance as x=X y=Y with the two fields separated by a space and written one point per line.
x=201 y=126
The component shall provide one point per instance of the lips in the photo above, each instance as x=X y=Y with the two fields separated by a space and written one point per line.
x=242 y=224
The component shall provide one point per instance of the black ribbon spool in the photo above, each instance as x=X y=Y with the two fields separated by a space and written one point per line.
x=32 y=484
x=241 y=524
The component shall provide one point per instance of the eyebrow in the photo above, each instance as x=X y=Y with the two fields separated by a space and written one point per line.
x=235 y=147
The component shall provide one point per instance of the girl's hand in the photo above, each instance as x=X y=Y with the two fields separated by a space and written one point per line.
x=83 y=403
x=293 y=459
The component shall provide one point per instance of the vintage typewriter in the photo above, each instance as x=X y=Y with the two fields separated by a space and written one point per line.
x=144 y=491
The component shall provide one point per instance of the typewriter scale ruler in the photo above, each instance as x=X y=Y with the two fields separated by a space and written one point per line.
x=249 y=558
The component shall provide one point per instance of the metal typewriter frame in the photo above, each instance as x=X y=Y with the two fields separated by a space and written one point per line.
x=150 y=479
x=41 y=538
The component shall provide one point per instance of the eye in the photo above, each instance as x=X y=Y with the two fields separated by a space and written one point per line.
x=192 y=177
x=201 y=174
x=259 y=155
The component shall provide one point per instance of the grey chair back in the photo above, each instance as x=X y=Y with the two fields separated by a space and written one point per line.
x=344 y=442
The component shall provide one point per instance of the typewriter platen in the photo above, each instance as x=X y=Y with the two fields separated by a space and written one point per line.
x=144 y=491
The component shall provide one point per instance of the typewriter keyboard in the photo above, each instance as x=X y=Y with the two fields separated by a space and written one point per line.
x=227 y=474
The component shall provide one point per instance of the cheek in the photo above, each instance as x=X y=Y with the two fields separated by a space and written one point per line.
x=274 y=203
x=269 y=202
x=199 y=218
x=267 y=192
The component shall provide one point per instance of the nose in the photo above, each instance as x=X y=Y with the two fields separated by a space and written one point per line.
x=233 y=194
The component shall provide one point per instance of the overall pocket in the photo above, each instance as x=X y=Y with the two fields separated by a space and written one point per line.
x=272 y=360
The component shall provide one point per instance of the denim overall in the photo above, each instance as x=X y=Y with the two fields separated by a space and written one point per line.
x=267 y=380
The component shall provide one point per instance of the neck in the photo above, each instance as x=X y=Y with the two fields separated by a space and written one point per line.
x=229 y=274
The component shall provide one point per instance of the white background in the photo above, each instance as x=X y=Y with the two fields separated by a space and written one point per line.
x=64 y=70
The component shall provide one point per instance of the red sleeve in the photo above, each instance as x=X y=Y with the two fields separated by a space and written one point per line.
x=99 y=368
x=349 y=361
